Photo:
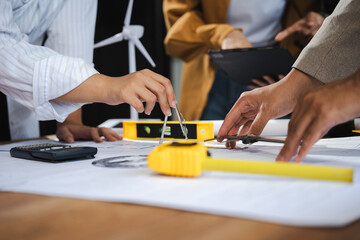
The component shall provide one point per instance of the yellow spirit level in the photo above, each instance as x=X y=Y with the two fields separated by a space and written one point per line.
x=184 y=159
x=151 y=130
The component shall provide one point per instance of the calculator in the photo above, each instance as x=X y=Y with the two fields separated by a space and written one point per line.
x=54 y=153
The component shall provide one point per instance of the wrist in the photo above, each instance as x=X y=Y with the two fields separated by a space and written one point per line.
x=101 y=88
x=92 y=89
x=96 y=88
x=235 y=39
x=73 y=118
x=353 y=85
x=298 y=84
x=357 y=77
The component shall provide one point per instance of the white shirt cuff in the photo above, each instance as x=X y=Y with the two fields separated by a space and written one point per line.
x=54 y=77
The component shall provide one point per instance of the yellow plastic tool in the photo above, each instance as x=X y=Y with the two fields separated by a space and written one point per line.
x=151 y=130
x=356 y=131
x=185 y=159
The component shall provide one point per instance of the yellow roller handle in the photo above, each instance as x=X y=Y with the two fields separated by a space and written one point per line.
x=279 y=169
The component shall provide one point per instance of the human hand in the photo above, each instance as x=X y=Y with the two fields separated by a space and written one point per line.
x=69 y=132
x=317 y=112
x=255 y=108
x=235 y=39
x=145 y=86
x=256 y=83
x=134 y=89
x=304 y=29
x=72 y=129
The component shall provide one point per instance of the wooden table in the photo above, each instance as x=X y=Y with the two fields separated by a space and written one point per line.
x=28 y=216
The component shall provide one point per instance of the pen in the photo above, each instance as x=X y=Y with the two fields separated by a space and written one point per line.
x=247 y=139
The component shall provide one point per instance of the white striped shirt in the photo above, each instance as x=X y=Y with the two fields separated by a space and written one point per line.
x=33 y=75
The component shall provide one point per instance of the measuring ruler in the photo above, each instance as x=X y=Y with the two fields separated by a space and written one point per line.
x=185 y=159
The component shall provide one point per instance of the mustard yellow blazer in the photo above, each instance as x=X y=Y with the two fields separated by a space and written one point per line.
x=194 y=27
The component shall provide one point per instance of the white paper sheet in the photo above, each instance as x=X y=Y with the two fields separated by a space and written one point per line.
x=266 y=198
x=275 y=127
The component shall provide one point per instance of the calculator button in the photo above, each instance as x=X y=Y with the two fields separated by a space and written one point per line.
x=59 y=147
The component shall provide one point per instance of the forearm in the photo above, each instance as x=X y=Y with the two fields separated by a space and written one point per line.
x=357 y=76
x=74 y=118
x=294 y=86
x=350 y=88
x=92 y=89
x=33 y=75
x=134 y=89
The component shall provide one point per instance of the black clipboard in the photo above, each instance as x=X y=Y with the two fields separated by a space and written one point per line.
x=244 y=64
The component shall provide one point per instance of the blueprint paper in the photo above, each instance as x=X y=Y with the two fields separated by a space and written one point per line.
x=274 y=199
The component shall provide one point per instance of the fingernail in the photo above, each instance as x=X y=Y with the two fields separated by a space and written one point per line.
x=168 y=113
x=69 y=139
x=148 y=112
x=173 y=104
x=280 y=158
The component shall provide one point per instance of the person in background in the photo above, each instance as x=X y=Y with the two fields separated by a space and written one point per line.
x=46 y=50
x=333 y=55
x=196 y=26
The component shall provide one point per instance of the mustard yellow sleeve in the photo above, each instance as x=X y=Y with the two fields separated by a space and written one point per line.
x=188 y=34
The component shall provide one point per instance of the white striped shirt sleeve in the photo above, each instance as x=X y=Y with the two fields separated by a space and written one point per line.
x=34 y=75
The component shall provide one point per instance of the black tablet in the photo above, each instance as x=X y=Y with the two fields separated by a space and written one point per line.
x=244 y=64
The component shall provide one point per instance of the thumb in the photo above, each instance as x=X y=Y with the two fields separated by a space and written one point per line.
x=280 y=36
x=258 y=124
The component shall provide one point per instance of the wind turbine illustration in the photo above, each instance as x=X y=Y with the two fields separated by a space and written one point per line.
x=132 y=33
